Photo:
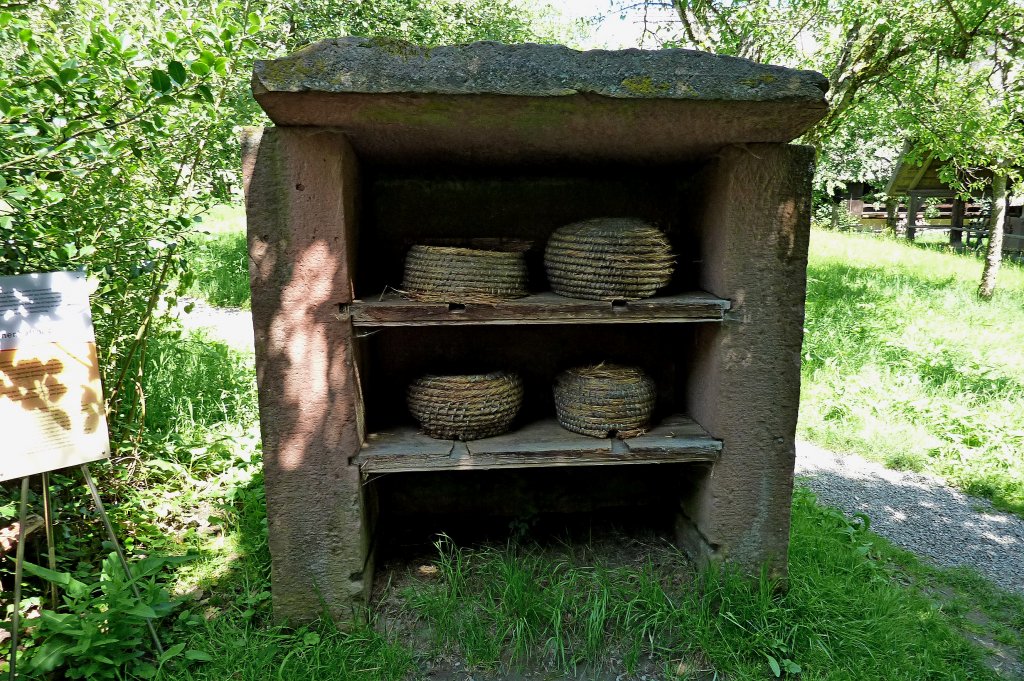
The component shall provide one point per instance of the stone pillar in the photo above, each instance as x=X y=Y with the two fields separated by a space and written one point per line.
x=301 y=211
x=744 y=386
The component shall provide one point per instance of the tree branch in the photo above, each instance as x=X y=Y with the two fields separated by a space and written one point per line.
x=956 y=17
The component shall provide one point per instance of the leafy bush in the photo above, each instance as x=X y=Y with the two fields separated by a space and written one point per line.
x=115 y=137
x=120 y=123
x=104 y=629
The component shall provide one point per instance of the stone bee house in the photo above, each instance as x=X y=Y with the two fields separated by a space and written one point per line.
x=376 y=148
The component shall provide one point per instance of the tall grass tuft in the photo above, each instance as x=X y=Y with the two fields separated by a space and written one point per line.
x=219 y=262
x=195 y=383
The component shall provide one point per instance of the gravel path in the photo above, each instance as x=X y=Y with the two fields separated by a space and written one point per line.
x=916 y=512
x=920 y=513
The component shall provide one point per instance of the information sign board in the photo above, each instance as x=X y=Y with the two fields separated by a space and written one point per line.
x=51 y=403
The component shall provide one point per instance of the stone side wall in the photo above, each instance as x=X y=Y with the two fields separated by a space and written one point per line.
x=301 y=187
x=744 y=387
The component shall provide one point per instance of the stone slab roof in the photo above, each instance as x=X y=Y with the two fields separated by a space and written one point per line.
x=519 y=103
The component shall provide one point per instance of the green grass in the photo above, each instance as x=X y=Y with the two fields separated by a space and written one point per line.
x=904 y=364
x=219 y=258
x=901 y=362
x=224 y=219
x=843 y=617
x=198 y=382
x=855 y=608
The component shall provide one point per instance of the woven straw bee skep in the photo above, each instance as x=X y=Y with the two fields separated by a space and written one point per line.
x=605 y=400
x=465 y=406
x=446 y=274
x=608 y=259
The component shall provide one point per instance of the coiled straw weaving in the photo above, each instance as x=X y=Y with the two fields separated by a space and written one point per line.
x=608 y=259
x=605 y=400
x=447 y=274
x=465 y=407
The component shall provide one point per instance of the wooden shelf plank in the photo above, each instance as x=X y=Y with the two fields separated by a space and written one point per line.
x=540 y=308
x=544 y=443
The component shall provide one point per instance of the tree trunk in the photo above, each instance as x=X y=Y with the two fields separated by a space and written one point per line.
x=892 y=216
x=956 y=225
x=994 y=256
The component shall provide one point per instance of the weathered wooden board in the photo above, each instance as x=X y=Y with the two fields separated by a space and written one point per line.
x=540 y=308
x=405 y=441
x=540 y=444
x=671 y=434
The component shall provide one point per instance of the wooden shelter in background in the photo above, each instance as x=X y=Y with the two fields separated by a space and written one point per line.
x=867 y=203
x=967 y=220
x=919 y=182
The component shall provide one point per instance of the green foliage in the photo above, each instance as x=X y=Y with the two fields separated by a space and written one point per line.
x=241 y=651
x=113 y=116
x=197 y=384
x=220 y=268
x=120 y=124
x=102 y=631
x=855 y=608
x=200 y=478
x=893 y=368
x=848 y=614
x=428 y=22
x=970 y=113
x=947 y=75
x=829 y=215
x=863 y=147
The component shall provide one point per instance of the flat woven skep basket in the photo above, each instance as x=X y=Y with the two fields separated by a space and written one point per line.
x=446 y=274
x=605 y=400
x=465 y=406
x=608 y=259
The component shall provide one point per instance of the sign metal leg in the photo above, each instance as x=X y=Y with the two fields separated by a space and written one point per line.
x=19 y=561
x=117 y=547
x=51 y=550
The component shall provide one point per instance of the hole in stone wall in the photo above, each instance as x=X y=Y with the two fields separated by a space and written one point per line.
x=395 y=357
x=456 y=307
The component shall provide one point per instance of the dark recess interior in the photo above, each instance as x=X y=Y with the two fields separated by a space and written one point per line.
x=543 y=505
x=506 y=208
x=391 y=358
